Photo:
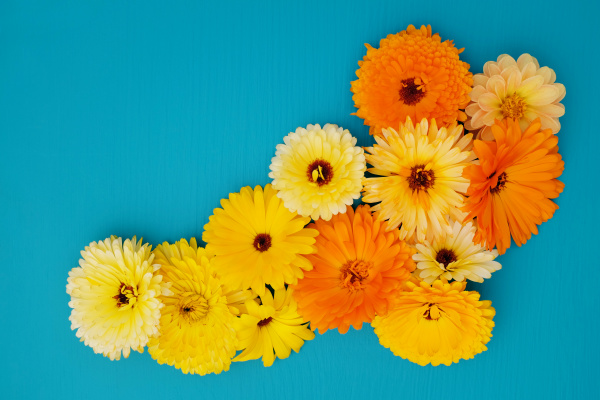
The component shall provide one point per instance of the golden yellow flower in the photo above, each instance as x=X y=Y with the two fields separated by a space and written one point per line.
x=115 y=296
x=258 y=241
x=437 y=324
x=272 y=329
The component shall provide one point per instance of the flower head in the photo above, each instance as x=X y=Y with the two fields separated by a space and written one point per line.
x=455 y=256
x=519 y=90
x=318 y=172
x=513 y=183
x=115 y=296
x=357 y=267
x=421 y=168
x=412 y=74
x=272 y=329
x=197 y=332
x=258 y=241
x=437 y=324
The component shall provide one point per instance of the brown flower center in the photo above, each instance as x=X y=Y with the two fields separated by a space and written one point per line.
x=265 y=321
x=432 y=312
x=353 y=273
x=420 y=178
x=445 y=257
x=262 y=242
x=501 y=183
x=411 y=92
x=126 y=294
x=513 y=106
x=193 y=307
x=320 y=172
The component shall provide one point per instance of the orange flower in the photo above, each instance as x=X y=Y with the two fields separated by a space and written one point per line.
x=358 y=265
x=412 y=74
x=511 y=188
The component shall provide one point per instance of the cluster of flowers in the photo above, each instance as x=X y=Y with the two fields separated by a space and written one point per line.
x=446 y=206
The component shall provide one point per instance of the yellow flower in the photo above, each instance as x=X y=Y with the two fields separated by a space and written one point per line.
x=455 y=256
x=197 y=324
x=272 y=329
x=437 y=324
x=115 y=296
x=318 y=172
x=515 y=89
x=258 y=241
x=421 y=168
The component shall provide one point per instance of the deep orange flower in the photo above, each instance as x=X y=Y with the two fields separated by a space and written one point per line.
x=412 y=74
x=358 y=265
x=511 y=188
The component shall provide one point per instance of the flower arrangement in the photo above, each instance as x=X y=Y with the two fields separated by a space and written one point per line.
x=462 y=166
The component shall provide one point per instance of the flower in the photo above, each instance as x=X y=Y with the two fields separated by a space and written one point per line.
x=437 y=324
x=258 y=241
x=357 y=267
x=318 y=172
x=271 y=329
x=421 y=168
x=412 y=74
x=115 y=296
x=197 y=333
x=511 y=187
x=515 y=89
x=455 y=256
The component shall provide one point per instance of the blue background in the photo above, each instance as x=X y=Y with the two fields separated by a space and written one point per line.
x=131 y=117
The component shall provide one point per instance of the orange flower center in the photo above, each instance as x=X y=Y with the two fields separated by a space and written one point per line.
x=126 y=293
x=193 y=307
x=412 y=91
x=501 y=183
x=265 y=321
x=513 y=106
x=420 y=179
x=353 y=273
x=433 y=312
x=445 y=257
x=320 y=172
x=262 y=242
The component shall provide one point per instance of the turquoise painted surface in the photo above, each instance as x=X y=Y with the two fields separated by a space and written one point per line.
x=127 y=117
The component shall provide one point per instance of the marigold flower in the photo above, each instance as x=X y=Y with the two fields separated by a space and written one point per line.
x=258 y=241
x=357 y=267
x=437 y=324
x=412 y=74
x=318 y=172
x=115 y=296
x=513 y=183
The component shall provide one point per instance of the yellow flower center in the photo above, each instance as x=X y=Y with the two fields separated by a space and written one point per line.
x=420 y=178
x=513 y=106
x=353 y=273
x=411 y=91
x=433 y=312
x=445 y=257
x=320 y=172
x=127 y=294
x=193 y=307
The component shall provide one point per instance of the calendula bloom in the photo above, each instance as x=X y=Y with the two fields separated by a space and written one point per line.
x=515 y=89
x=412 y=74
x=258 y=241
x=455 y=256
x=437 y=324
x=358 y=266
x=513 y=183
x=421 y=177
x=318 y=172
x=197 y=333
x=115 y=296
x=272 y=329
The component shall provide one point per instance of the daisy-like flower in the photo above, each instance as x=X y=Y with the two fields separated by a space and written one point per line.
x=357 y=267
x=421 y=168
x=437 y=324
x=513 y=183
x=197 y=333
x=272 y=329
x=318 y=172
x=412 y=74
x=455 y=256
x=258 y=241
x=515 y=89
x=115 y=296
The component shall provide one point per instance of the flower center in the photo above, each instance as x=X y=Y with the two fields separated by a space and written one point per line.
x=126 y=294
x=265 y=321
x=320 y=172
x=513 y=106
x=262 y=242
x=193 y=307
x=353 y=273
x=445 y=257
x=433 y=312
x=412 y=91
x=420 y=178
x=501 y=183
